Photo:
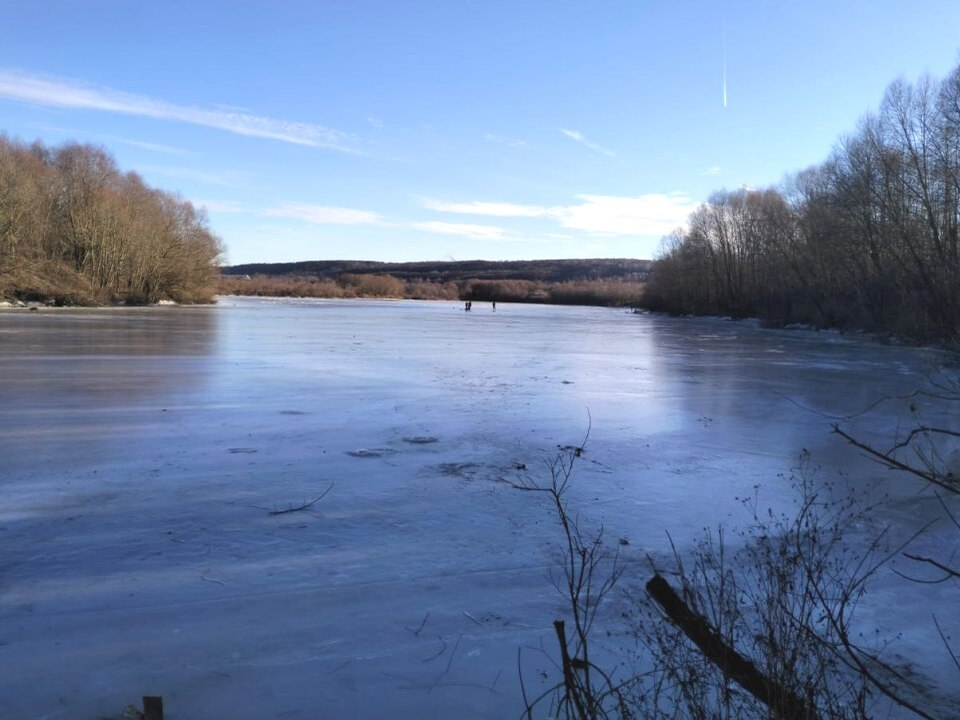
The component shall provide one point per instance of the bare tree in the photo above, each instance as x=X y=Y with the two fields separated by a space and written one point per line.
x=73 y=228
x=868 y=239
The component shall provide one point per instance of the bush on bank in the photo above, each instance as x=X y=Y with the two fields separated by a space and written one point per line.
x=75 y=230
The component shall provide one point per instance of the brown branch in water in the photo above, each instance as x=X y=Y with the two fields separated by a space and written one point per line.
x=453 y=653
x=922 y=430
x=152 y=708
x=569 y=678
x=891 y=462
x=946 y=643
x=417 y=632
x=305 y=506
x=784 y=704
x=946 y=511
x=441 y=651
x=950 y=572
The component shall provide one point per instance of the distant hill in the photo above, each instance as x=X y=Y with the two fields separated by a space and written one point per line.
x=551 y=271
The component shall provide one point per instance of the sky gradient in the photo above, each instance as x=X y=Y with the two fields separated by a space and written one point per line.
x=398 y=130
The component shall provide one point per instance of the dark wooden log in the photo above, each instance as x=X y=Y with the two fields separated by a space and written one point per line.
x=152 y=707
x=569 y=679
x=783 y=703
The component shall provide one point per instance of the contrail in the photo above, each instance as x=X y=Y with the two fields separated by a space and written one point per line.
x=723 y=20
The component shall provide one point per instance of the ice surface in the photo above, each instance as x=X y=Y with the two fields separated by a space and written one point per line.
x=143 y=451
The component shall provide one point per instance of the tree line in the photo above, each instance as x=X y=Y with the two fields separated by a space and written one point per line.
x=76 y=230
x=868 y=239
x=607 y=293
x=616 y=282
x=550 y=271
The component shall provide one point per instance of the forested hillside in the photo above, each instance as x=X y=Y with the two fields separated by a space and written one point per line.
x=74 y=229
x=868 y=239
x=457 y=271
x=616 y=282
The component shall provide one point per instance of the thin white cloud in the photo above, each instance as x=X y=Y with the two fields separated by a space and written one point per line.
x=225 y=178
x=73 y=132
x=712 y=170
x=474 y=232
x=500 y=140
x=153 y=147
x=484 y=233
x=577 y=136
x=492 y=209
x=324 y=215
x=63 y=93
x=650 y=214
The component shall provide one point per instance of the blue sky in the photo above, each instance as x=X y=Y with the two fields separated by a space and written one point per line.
x=411 y=130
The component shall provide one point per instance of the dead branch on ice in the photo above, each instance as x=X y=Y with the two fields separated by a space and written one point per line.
x=305 y=506
x=783 y=703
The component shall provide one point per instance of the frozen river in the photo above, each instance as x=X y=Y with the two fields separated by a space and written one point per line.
x=142 y=450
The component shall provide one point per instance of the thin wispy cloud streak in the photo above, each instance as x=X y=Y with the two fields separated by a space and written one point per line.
x=153 y=147
x=225 y=178
x=487 y=208
x=500 y=140
x=489 y=233
x=649 y=215
x=324 y=214
x=483 y=233
x=577 y=136
x=45 y=91
x=327 y=215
